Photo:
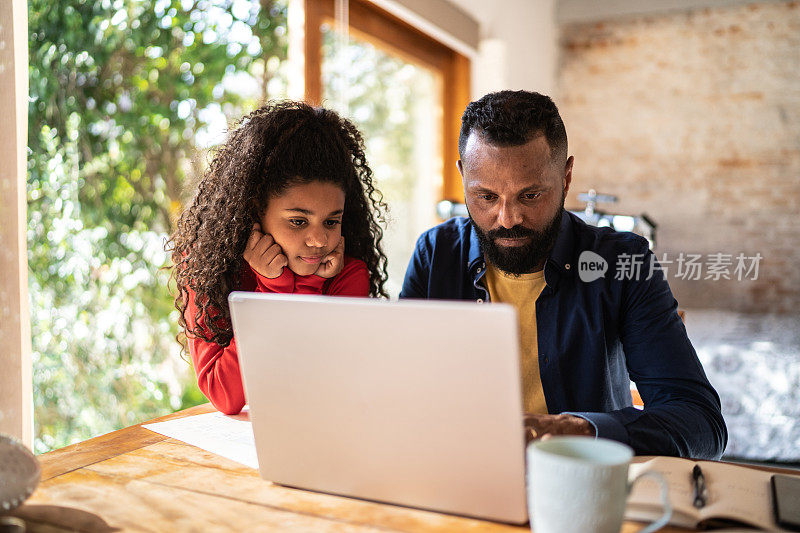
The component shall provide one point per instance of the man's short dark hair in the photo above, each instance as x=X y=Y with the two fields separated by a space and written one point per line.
x=512 y=118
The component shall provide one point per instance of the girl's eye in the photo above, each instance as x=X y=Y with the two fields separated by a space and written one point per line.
x=332 y=223
x=297 y=222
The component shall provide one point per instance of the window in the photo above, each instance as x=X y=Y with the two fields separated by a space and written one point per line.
x=125 y=97
x=406 y=92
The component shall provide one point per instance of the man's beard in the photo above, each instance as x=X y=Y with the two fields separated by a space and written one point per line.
x=520 y=259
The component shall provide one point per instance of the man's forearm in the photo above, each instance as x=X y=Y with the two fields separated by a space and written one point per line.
x=689 y=424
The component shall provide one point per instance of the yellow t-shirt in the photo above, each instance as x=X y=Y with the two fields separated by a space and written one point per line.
x=521 y=292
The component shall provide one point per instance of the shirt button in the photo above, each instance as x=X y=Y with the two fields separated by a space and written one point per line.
x=480 y=300
x=479 y=270
x=566 y=266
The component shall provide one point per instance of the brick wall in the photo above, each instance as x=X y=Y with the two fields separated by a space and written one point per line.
x=694 y=118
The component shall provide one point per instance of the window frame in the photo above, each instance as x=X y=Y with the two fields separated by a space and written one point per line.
x=16 y=379
x=394 y=35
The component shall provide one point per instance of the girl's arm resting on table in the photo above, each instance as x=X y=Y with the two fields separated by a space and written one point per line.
x=218 y=374
x=217 y=367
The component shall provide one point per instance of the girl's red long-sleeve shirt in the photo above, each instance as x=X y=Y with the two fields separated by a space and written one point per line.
x=217 y=368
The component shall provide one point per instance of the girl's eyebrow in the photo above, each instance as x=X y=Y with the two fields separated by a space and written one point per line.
x=308 y=212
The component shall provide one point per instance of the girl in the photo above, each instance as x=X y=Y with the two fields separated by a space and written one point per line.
x=287 y=205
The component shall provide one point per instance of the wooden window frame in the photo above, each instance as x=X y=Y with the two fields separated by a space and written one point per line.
x=16 y=378
x=398 y=37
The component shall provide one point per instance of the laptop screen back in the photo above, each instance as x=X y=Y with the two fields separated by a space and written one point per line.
x=415 y=403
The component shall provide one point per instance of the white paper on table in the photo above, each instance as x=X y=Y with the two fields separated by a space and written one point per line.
x=228 y=436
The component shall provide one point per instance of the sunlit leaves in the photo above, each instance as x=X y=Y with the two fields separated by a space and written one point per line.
x=120 y=93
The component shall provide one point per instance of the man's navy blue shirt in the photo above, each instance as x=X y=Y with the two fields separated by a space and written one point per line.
x=594 y=336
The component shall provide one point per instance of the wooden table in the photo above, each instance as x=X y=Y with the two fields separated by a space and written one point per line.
x=137 y=480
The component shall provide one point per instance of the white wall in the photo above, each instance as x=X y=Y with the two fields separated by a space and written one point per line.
x=444 y=20
x=518 y=45
x=513 y=44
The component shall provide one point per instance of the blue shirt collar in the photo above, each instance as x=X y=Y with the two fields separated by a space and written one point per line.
x=563 y=251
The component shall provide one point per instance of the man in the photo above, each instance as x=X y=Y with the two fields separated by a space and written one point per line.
x=580 y=341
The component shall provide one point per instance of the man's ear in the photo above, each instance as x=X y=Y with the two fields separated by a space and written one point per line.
x=568 y=174
x=460 y=166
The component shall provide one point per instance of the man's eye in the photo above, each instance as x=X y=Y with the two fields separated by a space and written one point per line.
x=297 y=222
x=531 y=195
x=487 y=197
x=332 y=223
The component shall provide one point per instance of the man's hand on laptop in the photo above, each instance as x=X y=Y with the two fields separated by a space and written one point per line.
x=545 y=426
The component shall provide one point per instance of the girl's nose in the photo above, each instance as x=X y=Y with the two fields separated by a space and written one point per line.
x=316 y=238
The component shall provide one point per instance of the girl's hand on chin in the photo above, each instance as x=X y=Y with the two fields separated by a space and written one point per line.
x=333 y=263
x=263 y=254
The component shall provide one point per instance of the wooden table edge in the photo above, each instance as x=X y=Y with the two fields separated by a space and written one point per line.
x=90 y=451
x=116 y=443
x=85 y=453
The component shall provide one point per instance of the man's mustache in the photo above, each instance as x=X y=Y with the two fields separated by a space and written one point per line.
x=516 y=232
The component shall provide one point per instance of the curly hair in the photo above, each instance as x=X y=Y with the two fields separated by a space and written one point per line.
x=273 y=148
x=512 y=118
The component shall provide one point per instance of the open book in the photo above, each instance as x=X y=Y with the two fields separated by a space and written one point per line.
x=736 y=494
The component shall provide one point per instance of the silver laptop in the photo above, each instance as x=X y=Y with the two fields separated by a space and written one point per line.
x=415 y=403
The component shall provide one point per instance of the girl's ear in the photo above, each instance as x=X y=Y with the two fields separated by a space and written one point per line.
x=255 y=210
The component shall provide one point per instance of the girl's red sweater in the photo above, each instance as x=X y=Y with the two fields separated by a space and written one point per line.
x=217 y=368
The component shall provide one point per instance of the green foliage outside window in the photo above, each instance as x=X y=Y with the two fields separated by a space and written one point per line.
x=124 y=98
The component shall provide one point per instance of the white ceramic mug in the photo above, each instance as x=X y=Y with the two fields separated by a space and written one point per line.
x=581 y=484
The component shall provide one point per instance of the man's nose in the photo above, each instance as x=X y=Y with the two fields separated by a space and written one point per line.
x=509 y=214
x=316 y=238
